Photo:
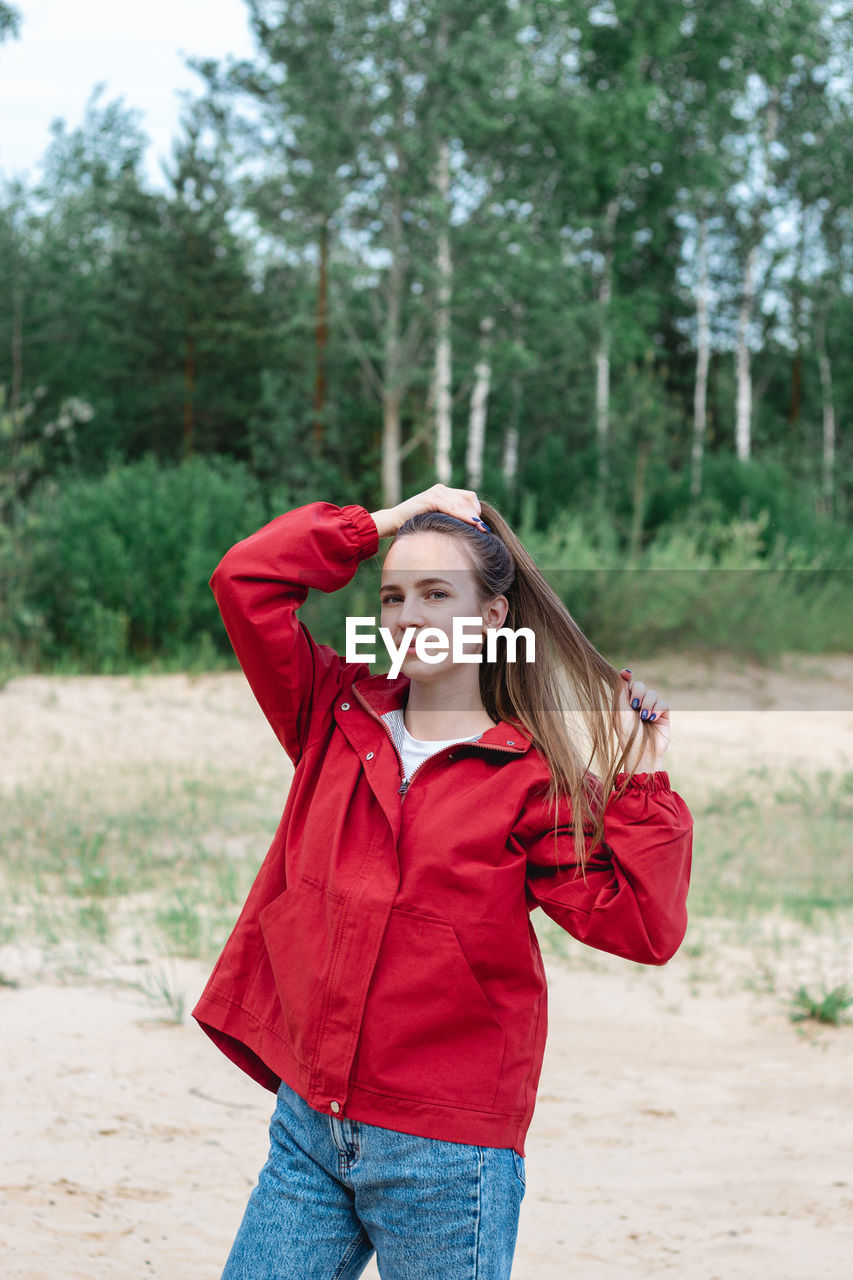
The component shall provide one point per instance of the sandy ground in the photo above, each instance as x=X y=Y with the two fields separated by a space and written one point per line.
x=684 y=1126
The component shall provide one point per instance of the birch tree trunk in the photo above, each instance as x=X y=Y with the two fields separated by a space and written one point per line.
x=479 y=402
x=602 y=356
x=509 y=462
x=743 y=372
x=443 y=351
x=703 y=360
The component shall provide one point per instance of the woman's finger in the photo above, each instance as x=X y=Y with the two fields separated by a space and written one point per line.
x=648 y=706
x=636 y=690
x=461 y=503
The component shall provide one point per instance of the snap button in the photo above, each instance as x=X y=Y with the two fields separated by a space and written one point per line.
x=336 y=1106
x=344 y=706
x=369 y=755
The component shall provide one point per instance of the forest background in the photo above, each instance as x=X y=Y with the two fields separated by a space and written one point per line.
x=590 y=260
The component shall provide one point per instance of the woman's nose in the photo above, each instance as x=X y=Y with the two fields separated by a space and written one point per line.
x=411 y=613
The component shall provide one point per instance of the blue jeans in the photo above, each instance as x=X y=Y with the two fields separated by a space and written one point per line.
x=334 y=1191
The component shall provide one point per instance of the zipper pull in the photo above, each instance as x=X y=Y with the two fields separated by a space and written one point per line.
x=404 y=786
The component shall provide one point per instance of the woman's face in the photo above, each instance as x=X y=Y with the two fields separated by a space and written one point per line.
x=427 y=580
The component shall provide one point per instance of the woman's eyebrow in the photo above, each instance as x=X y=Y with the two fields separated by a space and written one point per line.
x=421 y=582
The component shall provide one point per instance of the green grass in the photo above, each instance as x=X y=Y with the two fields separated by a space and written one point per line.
x=774 y=843
x=171 y=857
x=829 y=1007
x=160 y=990
x=163 y=861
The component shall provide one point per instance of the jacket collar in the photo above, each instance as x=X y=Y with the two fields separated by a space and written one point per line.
x=384 y=695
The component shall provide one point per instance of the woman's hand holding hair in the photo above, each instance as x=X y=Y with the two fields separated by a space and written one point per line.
x=636 y=701
x=462 y=503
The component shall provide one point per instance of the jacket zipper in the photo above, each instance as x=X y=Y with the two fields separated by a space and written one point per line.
x=406 y=783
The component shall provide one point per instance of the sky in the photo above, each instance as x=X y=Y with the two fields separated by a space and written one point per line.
x=65 y=47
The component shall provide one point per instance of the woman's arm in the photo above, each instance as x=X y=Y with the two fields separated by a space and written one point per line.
x=633 y=902
x=259 y=585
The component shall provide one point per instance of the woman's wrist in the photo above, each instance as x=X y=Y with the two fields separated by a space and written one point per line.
x=646 y=764
x=384 y=523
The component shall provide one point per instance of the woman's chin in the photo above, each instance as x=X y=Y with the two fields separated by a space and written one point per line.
x=427 y=672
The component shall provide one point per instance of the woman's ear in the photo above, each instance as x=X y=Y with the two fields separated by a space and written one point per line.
x=496 y=611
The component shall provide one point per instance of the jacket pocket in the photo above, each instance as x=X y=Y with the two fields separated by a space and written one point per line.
x=429 y=1031
x=299 y=928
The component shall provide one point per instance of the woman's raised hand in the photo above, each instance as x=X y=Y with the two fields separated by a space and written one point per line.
x=462 y=503
x=638 y=702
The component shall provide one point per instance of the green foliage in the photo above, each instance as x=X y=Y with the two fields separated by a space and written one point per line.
x=104 y=574
x=712 y=586
x=278 y=306
x=762 y=488
x=829 y=1007
x=118 y=567
x=21 y=625
x=10 y=22
x=129 y=320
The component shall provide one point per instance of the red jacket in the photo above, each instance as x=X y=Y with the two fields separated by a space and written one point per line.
x=384 y=964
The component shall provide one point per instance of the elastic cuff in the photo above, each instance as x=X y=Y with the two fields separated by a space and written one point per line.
x=365 y=526
x=655 y=781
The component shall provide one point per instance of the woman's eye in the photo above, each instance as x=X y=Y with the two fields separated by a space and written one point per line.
x=435 y=591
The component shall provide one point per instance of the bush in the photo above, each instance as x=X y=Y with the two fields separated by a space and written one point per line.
x=735 y=491
x=118 y=565
x=104 y=573
x=719 y=586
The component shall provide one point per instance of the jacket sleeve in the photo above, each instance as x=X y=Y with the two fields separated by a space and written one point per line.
x=261 y=582
x=633 y=902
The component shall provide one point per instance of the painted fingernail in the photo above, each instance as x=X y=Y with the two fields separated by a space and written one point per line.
x=652 y=716
x=644 y=715
x=635 y=703
x=626 y=668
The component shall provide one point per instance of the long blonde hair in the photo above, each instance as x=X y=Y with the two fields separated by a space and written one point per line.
x=567 y=699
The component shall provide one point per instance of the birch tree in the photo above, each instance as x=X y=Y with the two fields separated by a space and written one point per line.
x=479 y=401
x=391 y=91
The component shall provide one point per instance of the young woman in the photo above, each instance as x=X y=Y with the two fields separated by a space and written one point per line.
x=383 y=977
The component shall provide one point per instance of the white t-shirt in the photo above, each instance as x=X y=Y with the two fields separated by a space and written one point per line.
x=415 y=750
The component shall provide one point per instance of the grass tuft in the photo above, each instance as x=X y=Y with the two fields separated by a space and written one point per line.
x=830 y=1007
